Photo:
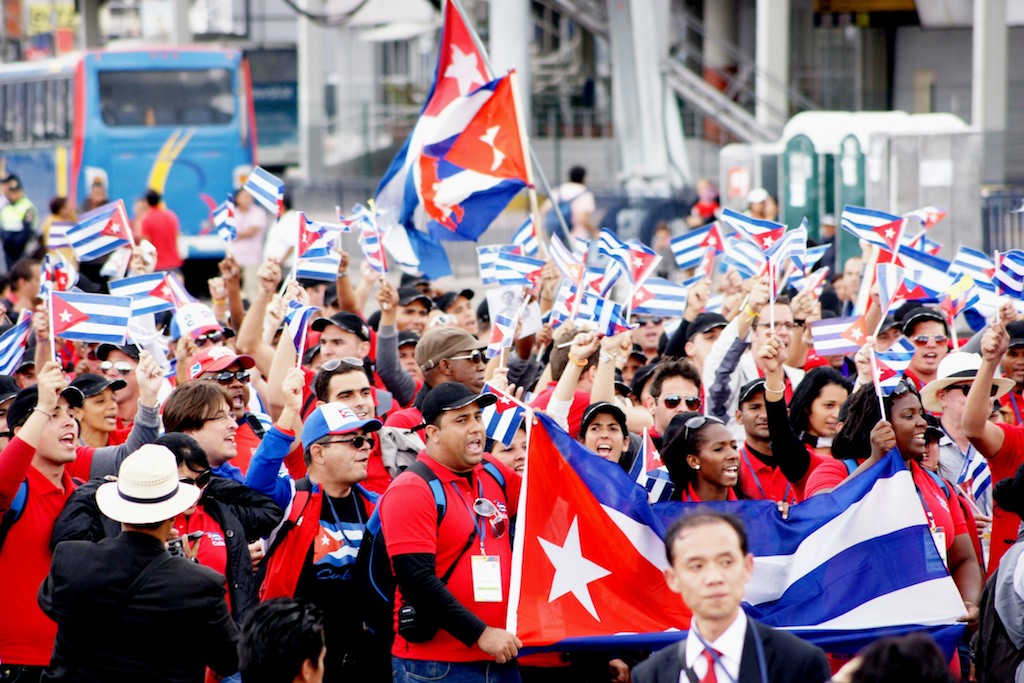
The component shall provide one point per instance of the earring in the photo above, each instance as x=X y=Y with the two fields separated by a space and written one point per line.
x=696 y=467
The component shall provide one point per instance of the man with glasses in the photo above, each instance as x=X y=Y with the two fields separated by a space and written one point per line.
x=675 y=389
x=647 y=334
x=458 y=631
x=313 y=556
x=119 y=362
x=927 y=330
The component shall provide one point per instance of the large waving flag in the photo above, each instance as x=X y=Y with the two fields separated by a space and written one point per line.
x=101 y=231
x=13 y=343
x=761 y=233
x=659 y=297
x=1010 y=273
x=688 y=248
x=502 y=420
x=267 y=189
x=589 y=555
x=91 y=317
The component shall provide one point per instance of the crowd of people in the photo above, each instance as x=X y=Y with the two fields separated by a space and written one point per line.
x=280 y=481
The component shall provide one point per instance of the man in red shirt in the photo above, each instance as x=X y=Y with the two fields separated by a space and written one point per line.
x=459 y=623
x=160 y=227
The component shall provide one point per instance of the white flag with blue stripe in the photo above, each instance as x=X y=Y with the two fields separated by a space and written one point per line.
x=659 y=297
x=513 y=269
x=140 y=289
x=502 y=420
x=975 y=263
x=13 y=343
x=526 y=238
x=100 y=231
x=1010 y=273
x=322 y=269
x=91 y=317
x=267 y=189
x=297 y=321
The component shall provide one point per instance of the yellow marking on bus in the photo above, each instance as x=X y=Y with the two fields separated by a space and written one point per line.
x=169 y=152
x=60 y=159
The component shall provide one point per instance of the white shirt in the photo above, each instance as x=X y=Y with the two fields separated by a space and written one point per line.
x=729 y=646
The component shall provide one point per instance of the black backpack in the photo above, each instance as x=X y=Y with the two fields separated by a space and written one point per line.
x=995 y=656
x=13 y=513
x=374 y=566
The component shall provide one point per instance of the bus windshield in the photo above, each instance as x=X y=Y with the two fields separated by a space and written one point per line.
x=167 y=98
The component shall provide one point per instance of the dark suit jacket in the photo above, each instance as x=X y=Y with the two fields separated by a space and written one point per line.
x=176 y=624
x=788 y=658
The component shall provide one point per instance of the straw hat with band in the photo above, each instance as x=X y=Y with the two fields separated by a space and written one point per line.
x=957 y=368
x=147 y=490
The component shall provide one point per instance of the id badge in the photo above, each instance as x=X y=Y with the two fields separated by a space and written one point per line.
x=939 y=535
x=486 y=578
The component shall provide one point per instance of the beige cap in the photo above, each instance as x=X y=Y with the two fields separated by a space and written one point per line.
x=444 y=342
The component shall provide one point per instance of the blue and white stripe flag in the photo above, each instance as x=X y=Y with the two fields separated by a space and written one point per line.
x=526 y=238
x=814 y=254
x=975 y=263
x=602 y=280
x=975 y=474
x=513 y=269
x=688 y=248
x=487 y=258
x=13 y=343
x=791 y=246
x=745 y=257
x=568 y=263
x=838 y=336
x=140 y=289
x=648 y=470
x=100 y=232
x=605 y=314
x=297 y=321
x=917 y=262
x=862 y=222
x=659 y=297
x=58 y=235
x=502 y=420
x=892 y=363
x=91 y=317
x=267 y=189
x=610 y=245
x=581 y=248
x=224 y=222
x=1010 y=273
x=761 y=233
x=322 y=269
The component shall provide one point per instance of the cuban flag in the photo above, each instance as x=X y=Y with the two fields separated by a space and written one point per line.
x=659 y=297
x=502 y=420
x=959 y=296
x=923 y=287
x=526 y=239
x=91 y=317
x=977 y=264
x=58 y=235
x=567 y=263
x=922 y=242
x=976 y=478
x=814 y=255
x=649 y=470
x=140 y=289
x=58 y=273
x=746 y=257
x=316 y=239
x=513 y=269
x=760 y=233
x=642 y=262
x=609 y=245
x=337 y=544
x=688 y=249
x=588 y=559
x=581 y=248
x=565 y=300
x=322 y=269
x=791 y=246
x=839 y=336
x=602 y=280
x=928 y=216
x=877 y=227
x=101 y=231
x=224 y=221
x=605 y=314
x=1010 y=273
x=13 y=343
x=891 y=364
x=297 y=321
x=371 y=241
x=917 y=262
x=813 y=283
x=503 y=331
x=890 y=280
x=267 y=189
x=487 y=258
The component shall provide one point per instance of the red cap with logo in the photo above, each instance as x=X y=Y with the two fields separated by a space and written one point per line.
x=215 y=359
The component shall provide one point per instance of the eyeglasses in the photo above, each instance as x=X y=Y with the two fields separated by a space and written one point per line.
x=649 y=321
x=200 y=481
x=209 y=338
x=226 y=377
x=489 y=511
x=967 y=387
x=222 y=417
x=779 y=326
x=335 y=363
x=923 y=339
x=475 y=358
x=356 y=441
x=697 y=422
x=672 y=401
x=122 y=367
x=903 y=387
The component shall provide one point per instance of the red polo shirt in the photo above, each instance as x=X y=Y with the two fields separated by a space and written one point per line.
x=580 y=403
x=1003 y=465
x=408 y=517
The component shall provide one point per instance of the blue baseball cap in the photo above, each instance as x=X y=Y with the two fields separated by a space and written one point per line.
x=334 y=418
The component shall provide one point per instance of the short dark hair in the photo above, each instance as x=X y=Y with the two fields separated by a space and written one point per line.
x=913 y=658
x=704 y=518
x=322 y=379
x=277 y=638
x=186 y=450
x=673 y=368
x=152 y=197
x=57 y=204
x=21 y=271
x=780 y=300
x=577 y=174
x=190 y=405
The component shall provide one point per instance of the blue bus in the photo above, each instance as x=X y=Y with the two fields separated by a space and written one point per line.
x=177 y=120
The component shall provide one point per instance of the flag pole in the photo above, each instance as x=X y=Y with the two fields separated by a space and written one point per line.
x=771 y=297
x=876 y=380
x=302 y=346
x=952 y=329
x=524 y=141
x=53 y=333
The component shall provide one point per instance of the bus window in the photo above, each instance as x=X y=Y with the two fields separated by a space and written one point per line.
x=166 y=98
x=37 y=110
x=14 y=118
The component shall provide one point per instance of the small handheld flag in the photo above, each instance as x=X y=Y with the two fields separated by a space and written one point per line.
x=90 y=317
x=267 y=189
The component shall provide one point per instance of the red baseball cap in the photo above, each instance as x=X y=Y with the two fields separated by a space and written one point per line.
x=215 y=359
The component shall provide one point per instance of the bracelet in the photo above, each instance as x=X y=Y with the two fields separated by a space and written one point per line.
x=343 y=273
x=577 y=362
x=769 y=390
x=40 y=410
x=751 y=313
x=605 y=357
x=219 y=302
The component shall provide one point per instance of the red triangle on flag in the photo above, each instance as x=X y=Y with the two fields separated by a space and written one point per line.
x=164 y=291
x=640 y=261
x=857 y=332
x=307 y=237
x=768 y=238
x=642 y=296
x=490 y=143
x=65 y=316
x=890 y=233
x=460 y=65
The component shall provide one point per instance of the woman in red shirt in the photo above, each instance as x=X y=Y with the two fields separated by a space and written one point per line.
x=701 y=456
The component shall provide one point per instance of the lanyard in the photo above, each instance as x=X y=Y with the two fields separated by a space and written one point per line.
x=757 y=479
x=762 y=663
x=477 y=520
x=337 y=520
x=927 y=510
x=1016 y=410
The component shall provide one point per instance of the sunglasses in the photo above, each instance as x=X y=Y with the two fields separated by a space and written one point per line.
x=475 y=358
x=200 y=481
x=227 y=377
x=648 y=321
x=335 y=363
x=209 y=338
x=902 y=388
x=672 y=401
x=697 y=422
x=356 y=441
x=489 y=511
x=923 y=339
x=966 y=388
x=122 y=367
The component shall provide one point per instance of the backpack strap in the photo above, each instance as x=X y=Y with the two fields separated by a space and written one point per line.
x=492 y=469
x=851 y=465
x=940 y=482
x=436 y=487
x=13 y=513
x=255 y=425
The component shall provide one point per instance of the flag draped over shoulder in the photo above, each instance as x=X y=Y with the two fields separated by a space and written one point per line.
x=588 y=558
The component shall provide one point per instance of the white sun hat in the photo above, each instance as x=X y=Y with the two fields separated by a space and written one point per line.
x=957 y=368
x=147 y=489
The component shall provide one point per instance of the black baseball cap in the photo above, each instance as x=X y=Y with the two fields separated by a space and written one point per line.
x=704 y=322
x=103 y=350
x=748 y=390
x=444 y=302
x=602 y=408
x=8 y=388
x=640 y=378
x=311 y=353
x=921 y=314
x=406 y=295
x=91 y=384
x=413 y=281
x=891 y=322
x=621 y=388
x=27 y=399
x=452 y=396
x=1016 y=332
x=406 y=337
x=637 y=352
x=350 y=322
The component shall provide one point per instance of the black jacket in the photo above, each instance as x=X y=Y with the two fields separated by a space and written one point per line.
x=175 y=624
x=244 y=515
x=787 y=658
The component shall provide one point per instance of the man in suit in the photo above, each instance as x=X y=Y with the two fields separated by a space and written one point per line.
x=126 y=609
x=710 y=566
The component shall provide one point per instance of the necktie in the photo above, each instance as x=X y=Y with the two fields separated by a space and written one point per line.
x=710 y=676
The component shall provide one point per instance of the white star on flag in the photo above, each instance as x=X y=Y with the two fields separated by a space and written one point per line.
x=855 y=334
x=890 y=233
x=464 y=70
x=488 y=139
x=768 y=241
x=325 y=540
x=65 y=317
x=573 y=572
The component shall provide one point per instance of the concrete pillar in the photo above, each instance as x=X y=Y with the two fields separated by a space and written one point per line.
x=510 y=29
x=772 y=56
x=89 y=24
x=719 y=61
x=311 y=75
x=181 y=32
x=989 y=85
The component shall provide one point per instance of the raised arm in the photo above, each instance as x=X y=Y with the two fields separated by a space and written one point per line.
x=984 y=435
x=146 y=427
x=250 y=332
x=787 y=449
x=397 y=381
